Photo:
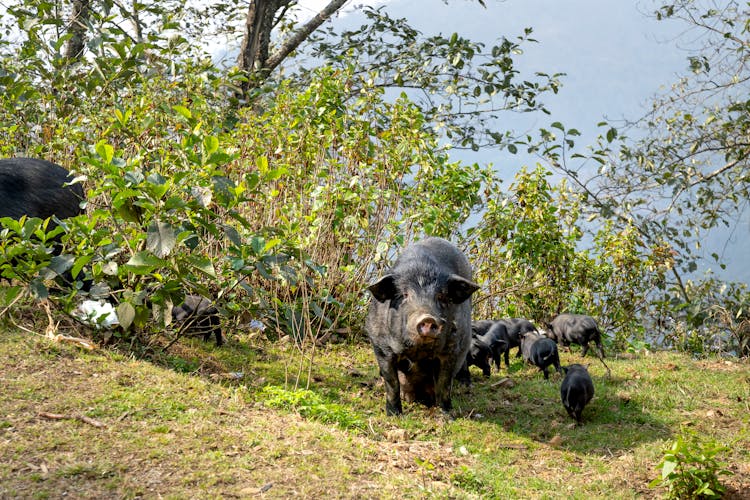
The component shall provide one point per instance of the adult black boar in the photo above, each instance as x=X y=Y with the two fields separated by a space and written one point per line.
x=36 y=188
x=540 y=351
x=419 y=323
x=200 y=316
x=579 y=329
x=576 y=390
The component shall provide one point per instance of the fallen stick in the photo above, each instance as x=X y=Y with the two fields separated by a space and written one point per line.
x=82 y=418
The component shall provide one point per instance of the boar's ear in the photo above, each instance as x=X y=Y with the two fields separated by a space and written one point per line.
x=384 y=288
x=460 y=289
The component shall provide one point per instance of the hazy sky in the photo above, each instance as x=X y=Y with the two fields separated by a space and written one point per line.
x=614 y=54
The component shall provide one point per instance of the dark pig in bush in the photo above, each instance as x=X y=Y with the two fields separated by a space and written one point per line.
x=419 y=323
x=199 y=316
x=576 y=390
x=37 y=188
x=540 y=351
x=579 y=329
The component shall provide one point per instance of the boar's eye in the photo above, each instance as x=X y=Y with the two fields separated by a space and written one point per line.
x=442 y=297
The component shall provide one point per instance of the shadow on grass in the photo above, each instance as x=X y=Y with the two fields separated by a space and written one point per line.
x=532 y=407
x=239 y=362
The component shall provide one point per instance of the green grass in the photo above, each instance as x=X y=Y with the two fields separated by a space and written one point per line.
x=183 y=425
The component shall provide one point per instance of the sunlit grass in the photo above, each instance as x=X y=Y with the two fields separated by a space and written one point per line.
x=246 y=417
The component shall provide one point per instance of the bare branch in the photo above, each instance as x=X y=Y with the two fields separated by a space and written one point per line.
x=302 y=34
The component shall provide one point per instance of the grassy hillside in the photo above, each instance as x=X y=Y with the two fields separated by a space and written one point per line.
x=206 y=422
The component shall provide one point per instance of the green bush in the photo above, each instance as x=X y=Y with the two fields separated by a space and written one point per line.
x=690 y=468
x=284 y=210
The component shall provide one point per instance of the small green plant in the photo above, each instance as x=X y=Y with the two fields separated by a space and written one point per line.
x=468 y=479
x=311 y=405
x=425 y=467
x=690 y=468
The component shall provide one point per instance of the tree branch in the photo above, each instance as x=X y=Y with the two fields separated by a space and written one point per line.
x=301 y=35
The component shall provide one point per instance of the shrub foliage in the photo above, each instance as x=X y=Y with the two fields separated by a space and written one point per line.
x=282 y=209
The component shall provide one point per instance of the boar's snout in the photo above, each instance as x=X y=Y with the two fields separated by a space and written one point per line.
x=429 y=326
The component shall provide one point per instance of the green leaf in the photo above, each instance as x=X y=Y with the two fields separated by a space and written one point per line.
x=611 y=134
x=202 y=264
x=182 y=110
x=233 y=235
x=105 y=151
x=263 y=270
x=257 y=243
x=38 y=290
x=125 y=315
x=143 y=263
x=79 y=263
x=262 y=164
x=61 y=263
x=668 y=468
x=9 y=294
x=160 y=239
x=210 y=144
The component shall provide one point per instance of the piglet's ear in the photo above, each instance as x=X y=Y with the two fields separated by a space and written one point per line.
x=481 y=343
x=384 y=289
x=460 y=289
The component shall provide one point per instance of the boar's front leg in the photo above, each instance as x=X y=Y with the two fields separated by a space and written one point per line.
x=388 y=371
x=443 y=385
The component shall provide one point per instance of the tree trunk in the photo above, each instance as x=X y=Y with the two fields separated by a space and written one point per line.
x=255 y=60
x=256 y=40
x=79 y=19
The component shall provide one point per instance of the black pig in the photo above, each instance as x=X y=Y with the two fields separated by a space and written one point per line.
x=491 y=344
x=419 y=323
x=201 y=317
x=540 y=351
x=36 y=188
x=483 y=349
x=576 y=390
x=515 y=327
x=576 y=329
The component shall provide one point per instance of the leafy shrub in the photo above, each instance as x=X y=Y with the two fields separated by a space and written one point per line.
x=282 y=211
x=690 y=468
